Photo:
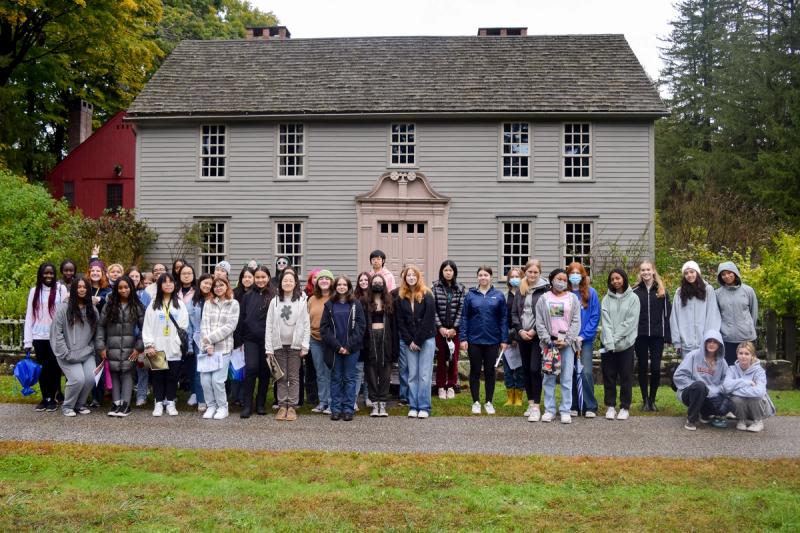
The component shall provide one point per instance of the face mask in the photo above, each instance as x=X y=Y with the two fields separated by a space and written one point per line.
x=559 y=285
x=377 y=288
x=514 y=282
x=575 y=279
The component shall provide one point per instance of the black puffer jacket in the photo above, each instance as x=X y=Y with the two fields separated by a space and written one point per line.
x=448 y=307
x=119 y=338
x=654 y=312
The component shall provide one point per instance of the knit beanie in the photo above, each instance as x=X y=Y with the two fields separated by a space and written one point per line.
x=690 y=264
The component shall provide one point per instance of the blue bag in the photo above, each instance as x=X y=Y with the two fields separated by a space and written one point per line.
x=27 y=373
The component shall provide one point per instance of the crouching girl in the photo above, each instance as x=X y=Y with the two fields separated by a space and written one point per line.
x=746 y=384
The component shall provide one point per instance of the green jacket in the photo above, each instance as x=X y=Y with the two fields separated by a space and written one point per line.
x=619 y=320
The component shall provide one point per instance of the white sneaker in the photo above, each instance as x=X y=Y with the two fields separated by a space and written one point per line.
x=327 y=411
x=623 y=414
x=756 y=427
x=741 y=425
x=548 y=416
x=376 y=410
x=611 y=413
x=535 y=415
x=158 y=410
x=573 y=413
x=566 y=418
x=171 y=411
x=528 y=411
x=368 y=402
x=209 y=413
x=442 y=394
x=69 y=412
x=221 y=413
x=192 y=401
x=451 y=393
x=476 y=408
x=140 y=402
x=590 y=414
x=201 y=407
x=412 y=413
x=423 y=414
x=489 y=408
x=730 y=416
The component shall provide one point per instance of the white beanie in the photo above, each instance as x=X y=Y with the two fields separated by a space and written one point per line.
x=225 y=266
x=690 y=264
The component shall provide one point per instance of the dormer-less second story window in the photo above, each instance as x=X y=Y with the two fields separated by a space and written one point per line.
x=516 y=150
x=213 y=152
x=577 y=151
x=403 y=145
x=291 y=151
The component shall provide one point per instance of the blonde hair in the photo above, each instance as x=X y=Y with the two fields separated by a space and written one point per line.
x=750 y=347
x=418 y=291
x=659 y=284
x=523 y=283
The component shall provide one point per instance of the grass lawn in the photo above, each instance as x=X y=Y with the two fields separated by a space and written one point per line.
x=786 y=402
x=110 y=488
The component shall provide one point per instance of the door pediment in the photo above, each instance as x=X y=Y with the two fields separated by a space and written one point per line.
x=402 y=187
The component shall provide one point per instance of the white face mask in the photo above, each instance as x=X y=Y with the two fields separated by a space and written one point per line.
x=560 y=285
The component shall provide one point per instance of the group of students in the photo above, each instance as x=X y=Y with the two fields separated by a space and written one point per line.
x=543 y=331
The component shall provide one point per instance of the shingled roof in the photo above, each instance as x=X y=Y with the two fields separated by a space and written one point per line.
x=546 y=74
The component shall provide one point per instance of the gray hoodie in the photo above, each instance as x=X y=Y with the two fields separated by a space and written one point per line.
x=619 y=320
x=688 y=322
x=738 y=307
x=71 y=344
x=542 y=322
x=695 y=368
x=750 y=383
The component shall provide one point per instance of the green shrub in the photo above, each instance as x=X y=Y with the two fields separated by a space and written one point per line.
x=777 y=279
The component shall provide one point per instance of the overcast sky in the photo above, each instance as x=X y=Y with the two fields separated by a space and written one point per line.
x=642 y=22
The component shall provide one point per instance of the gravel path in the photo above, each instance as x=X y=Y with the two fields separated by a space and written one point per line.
x=639 y=436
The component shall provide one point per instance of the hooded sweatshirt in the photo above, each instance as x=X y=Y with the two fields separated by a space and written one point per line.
x=590 y=316
x=71 y=343
x=695 y=368
x=739 y=382
x=738 y=307
x=688 y=322
x=619 y=320
x=523 y=312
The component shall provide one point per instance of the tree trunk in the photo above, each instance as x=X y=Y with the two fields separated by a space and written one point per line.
x=790 y=340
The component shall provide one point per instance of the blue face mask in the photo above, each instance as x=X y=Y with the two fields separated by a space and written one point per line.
x=514 y=282
x=575 y=279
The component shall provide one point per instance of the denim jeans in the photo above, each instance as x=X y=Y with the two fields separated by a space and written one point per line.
x=317 y=349
x=402 y=372
x=513 y=379
x=360 y=383
x=549 y=385
x=142 y=383
x=587 y=381
x=420 y=373
x=343 y=383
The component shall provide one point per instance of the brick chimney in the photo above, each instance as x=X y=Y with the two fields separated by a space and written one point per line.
x=503 y=32
x=266 y=33
x=80 y=124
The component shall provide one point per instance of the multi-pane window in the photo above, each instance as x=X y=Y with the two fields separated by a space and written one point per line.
x=114 y=197
x=69 y=193
x=577 y=151
x=291 y=150
x=212 y=152
x=403 y=144
x=516 y=244
x=578 y=243
x=289 y=242
x=516 y=150
x=213 y=248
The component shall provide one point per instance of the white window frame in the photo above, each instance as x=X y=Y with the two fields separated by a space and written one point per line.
x=588 y=261
x=528 y=147
x=279 y=248
x=223 y=256
x=301 y=155
x=223 y=155
x=588 y=156
x=501 y=234
x=412 y=145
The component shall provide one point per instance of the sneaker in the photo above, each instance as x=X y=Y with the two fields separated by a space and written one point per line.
x=124 y=410
x=476 y=408
x=319 y=408
x=192 y=401
x=201 y=407
x=442 y=394
x=83 y=410
x=327 y=410
x=376 y=410
x=535 y=415
x=566 y=418
x=291 y=414
x=69 y=412
x=611 y=413
x=336 y=416
x=210 y=412
x=368 y=403
x=730 y=416
x=489 y=408
x=171 y=411
x=140 y=401
x=41 y=406
x=756 y=427
x=741 y=425
x=403 y=402
x=158 y=410
x=355 y=407
x=347 y=417
x=573 y=412
x=548 y=416
x=690 y=426
x=719 y=422
x=281 y=414
x=275 y=406
x=704 y=420
x=423 y=414
x=382 y=412
x=221 y=413
x=115 y=410
x=590 y=414
x=52 y=406
x=623 y=414
x=412 y=413
x=527 y=412
x=94 y=403
x=451 y=393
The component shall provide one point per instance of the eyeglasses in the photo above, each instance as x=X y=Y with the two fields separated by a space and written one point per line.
x=281 y=262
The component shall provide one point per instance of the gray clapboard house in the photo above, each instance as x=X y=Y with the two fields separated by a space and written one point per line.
x=485 y=149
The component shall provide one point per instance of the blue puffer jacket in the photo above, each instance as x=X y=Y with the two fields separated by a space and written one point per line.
x=485 y=317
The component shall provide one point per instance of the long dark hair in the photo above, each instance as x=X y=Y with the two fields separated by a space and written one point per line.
x=176 y=274
x=158 y=301
x=51 y=299
x=240 y=289
x=386 y=297
x=298 y=290
x=268 y=291
x=347 y=297
x=114 y=303
x=199 y=297
x=692 y=290
x=73 y=305
x=359 y=293
x=448 y=263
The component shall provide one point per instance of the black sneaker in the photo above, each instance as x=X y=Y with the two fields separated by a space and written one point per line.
x=115 y=410
x=42 y=406
x=52 y=406
x=124 y=409
x=336 y=416
x=347 y=417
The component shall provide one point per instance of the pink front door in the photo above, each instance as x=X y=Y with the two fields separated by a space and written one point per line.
x=404 y=243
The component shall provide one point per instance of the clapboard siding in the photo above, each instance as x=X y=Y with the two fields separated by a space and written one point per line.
x=343 y=160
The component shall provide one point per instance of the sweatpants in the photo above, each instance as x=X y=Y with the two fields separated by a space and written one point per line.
x=122 y=386
x=749 y=408
x=289 y=385
x=50 y=376
x=446 y=365
x=214 y=385
x=695 y=397
x=80 y=380
x=165 y=382
x=648 y=354
x=531 y=354
x=617 y=367
x=255 y=368
x=378 y=368
x=482 y=355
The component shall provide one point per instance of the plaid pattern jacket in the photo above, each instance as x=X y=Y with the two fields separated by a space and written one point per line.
x=218 y=324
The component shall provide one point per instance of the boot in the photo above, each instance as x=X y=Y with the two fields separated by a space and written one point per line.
x=511 y=395
x=518 y=397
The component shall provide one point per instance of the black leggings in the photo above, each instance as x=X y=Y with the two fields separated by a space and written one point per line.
x=617 y=367
x=255 y=368
x=165 y=382
x=50 y=377
x=531 y=354
x=482 y=355
x=654 y=346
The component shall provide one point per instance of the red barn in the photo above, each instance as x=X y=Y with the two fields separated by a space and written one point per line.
x=99 y=172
